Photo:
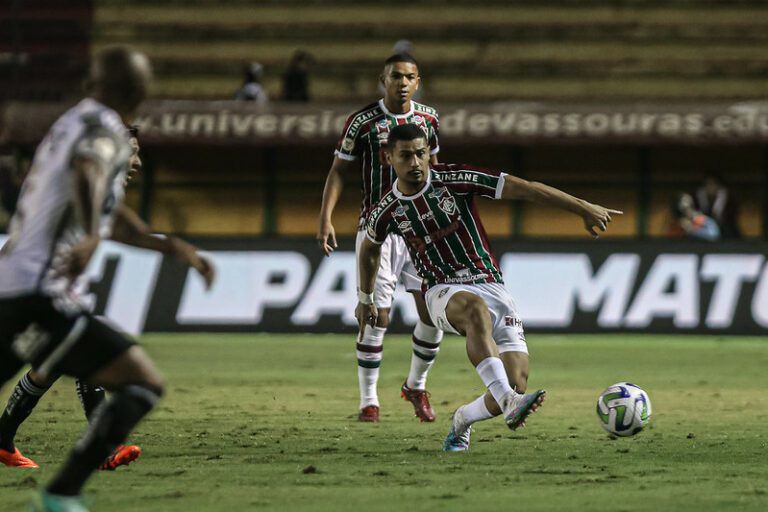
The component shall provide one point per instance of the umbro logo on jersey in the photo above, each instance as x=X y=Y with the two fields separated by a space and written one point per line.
x=405 y=225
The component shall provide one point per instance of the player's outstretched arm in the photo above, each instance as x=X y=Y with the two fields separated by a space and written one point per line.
x=594 y=215
x=367 y=264
x=129 y=229
x=334 y=184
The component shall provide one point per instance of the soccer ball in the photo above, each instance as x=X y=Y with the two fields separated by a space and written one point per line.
x=623 y=409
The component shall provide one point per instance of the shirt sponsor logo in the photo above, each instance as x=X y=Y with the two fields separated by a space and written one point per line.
x=511 y=321
x=420 y=244
x=400 y=210
x=382 y=129
x=427 y=216
x=437 y=193
x=460 y=176
x=466 y=279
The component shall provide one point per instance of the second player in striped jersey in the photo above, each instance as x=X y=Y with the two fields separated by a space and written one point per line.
x=362 y=146
x=433 y=209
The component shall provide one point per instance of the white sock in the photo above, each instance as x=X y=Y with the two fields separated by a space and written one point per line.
x=369 y=350
x=426 y=344
x=491 y=371
x=476 y=411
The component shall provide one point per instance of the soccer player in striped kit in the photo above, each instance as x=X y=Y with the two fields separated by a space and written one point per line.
x=362 y=146
x=432 y=208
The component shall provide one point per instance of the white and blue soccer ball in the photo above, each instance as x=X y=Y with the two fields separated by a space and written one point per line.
x=623 y=409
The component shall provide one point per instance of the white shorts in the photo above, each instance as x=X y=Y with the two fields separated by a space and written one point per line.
x=507 y=326
x=395 y=264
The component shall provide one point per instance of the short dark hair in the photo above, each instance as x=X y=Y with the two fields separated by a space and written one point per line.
x=401 y=57
x=404 y=132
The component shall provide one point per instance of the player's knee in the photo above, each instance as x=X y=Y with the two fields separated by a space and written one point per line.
x=132 y=367
x=145 y=370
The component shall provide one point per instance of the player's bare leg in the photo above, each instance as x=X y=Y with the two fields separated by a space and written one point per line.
x=426 y=344
x=469 y=314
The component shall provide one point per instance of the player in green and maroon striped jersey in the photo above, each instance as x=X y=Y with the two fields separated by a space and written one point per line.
x=433 y=209
x=362 y=147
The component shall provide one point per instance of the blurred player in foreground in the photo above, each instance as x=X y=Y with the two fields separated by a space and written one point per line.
x=32 y=386
x=363 y=140
x=70 y=202
x=433 y=210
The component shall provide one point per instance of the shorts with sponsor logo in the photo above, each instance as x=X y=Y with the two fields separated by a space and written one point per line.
x=395 y=265
x=55 y=338
x=507 y=326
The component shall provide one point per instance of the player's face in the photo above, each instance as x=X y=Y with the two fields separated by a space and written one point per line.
x=410 y=159
x=401 y=80
x=134 y=163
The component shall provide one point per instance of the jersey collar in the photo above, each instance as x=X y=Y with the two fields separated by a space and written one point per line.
x=415 y=196
x=397 y=116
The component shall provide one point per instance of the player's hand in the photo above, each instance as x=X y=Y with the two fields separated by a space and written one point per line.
x=189 y=255
x=204 y=266
x=326 y=238
x=596 y=216
x=366 y=314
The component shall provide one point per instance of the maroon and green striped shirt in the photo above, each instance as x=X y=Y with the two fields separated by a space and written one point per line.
x=365 y=137
x=441 y=224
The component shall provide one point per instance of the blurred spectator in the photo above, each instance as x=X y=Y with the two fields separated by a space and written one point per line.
x=296 y=78
x=715 y=200
x=405 y=46
x=691 y=223
x=252 y=90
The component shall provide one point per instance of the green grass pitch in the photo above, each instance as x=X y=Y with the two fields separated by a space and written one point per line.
x=268 y=422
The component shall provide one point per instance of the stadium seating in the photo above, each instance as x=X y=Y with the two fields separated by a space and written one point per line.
x=553 y=49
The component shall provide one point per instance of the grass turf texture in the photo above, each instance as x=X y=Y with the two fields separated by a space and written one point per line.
x=268 y=422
